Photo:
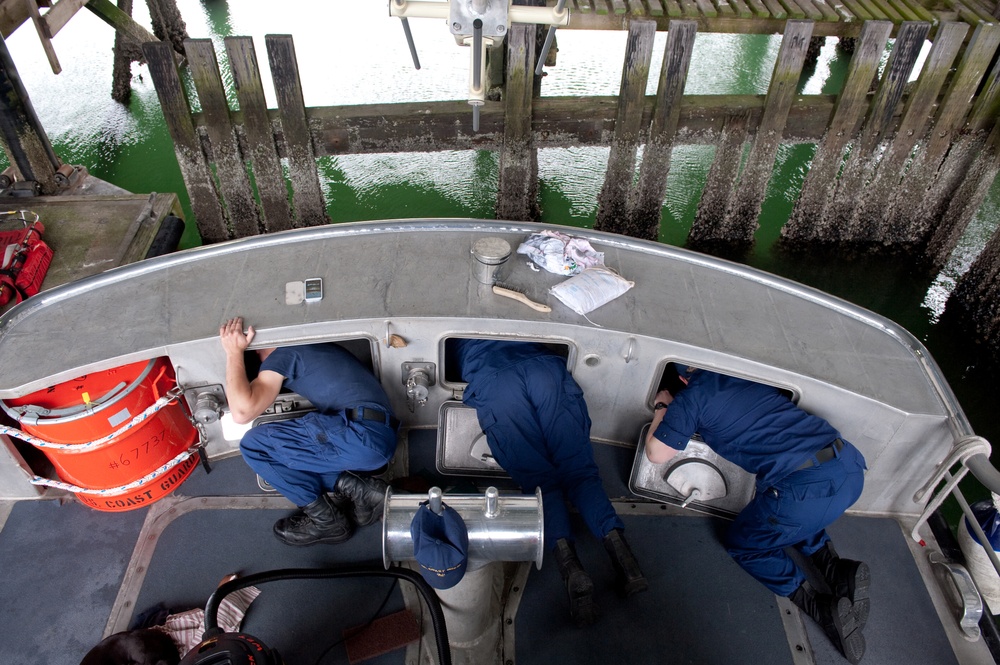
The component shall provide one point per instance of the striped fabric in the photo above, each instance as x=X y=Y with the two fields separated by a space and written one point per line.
x=186 y=628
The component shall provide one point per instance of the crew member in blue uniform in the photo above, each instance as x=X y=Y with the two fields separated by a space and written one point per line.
x=807 y=476
x=352 y=429
x=538 y=429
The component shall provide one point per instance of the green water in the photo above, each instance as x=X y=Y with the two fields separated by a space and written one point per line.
x=352 y=53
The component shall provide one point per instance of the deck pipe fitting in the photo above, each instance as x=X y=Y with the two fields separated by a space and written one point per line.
x=502 y=527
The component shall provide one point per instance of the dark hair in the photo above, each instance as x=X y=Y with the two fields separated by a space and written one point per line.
x=134 y=647
x=670 y=381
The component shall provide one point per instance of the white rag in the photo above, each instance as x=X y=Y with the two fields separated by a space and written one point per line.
x=560 y=253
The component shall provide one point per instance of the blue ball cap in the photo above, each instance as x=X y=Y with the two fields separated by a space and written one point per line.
x=440 y=545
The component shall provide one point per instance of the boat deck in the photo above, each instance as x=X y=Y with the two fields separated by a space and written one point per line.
x=72 y=575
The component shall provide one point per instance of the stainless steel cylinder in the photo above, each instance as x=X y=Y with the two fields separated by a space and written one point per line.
x=514 y=533
x=489 y=259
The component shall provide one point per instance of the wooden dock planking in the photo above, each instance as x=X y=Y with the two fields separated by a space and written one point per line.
x=746 y=197
x=260 y=149
x=238 y=202
x=612 y=201
x=307 y=196
x=759 y=9
x=724 y=8
x=777 y=10
x=650 y=190
x=741 y=9
x=517 y=195
x=811 y=11
x=878 y=122
x=673 y=8
x=860 y=11
x=809 y=221
x=187 y=146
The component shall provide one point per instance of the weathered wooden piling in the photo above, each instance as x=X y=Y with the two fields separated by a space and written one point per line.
x=809 y=222
x=126 y=52
x=307 y=196
x=746 y=191
x=187 y=145
x=722 y=174
x=646 y=199
x=870 y=144
x=517 y=195
x=976 y=297
x=27 y=146
x=905 y=224
x=612 y=203
x=872 y=212
x=129 y=38
x=240 y=205
x=168 y=25
x=258 y=144
x=965 y=175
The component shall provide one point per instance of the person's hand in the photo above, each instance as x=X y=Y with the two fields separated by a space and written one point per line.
x=663 y=396
x=234 y=341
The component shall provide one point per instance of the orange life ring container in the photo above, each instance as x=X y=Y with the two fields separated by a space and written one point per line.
x=96 y=405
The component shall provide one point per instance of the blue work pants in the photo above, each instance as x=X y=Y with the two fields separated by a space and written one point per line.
x=794 y=512
x=538 y=429
x=303 y=457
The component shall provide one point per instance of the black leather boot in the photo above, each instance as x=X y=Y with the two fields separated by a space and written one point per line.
x=835 y=615
x=847 y=578
x=628 y=577
x=319 y=522
x=367 y=496
x=579 y=586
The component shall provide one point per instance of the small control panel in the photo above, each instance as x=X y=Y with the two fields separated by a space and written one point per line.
x=310 y=290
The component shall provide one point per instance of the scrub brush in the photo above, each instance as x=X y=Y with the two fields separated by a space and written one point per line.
x=512 y=293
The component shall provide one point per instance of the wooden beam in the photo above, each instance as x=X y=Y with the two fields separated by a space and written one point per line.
x=517 y=191
x=307 y=195
x=43 y=36
x=740 y=220
x=260 y=147
x=878 y=124
x=612 y=202
x=805 y=223
x=59 y=15
x=187 y=146
x=650 y=190
x=239 y=204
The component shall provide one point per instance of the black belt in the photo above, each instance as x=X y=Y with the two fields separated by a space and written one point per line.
x=824 y=455
x=364 y=413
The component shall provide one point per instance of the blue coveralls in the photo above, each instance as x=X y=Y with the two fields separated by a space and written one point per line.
x=303 y=457
x=759 y=429
x=538 y=429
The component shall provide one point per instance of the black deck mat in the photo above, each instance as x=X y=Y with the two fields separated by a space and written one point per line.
x=701 y=607
x=62 y=567
x=228 y=477
x=903 y=626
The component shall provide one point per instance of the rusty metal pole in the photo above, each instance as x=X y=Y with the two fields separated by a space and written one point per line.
x=25 y=142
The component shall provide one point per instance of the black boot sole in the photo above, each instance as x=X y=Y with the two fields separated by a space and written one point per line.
x=849 y=638
x=857 y=593
x=327 y=540
x=582 y=607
